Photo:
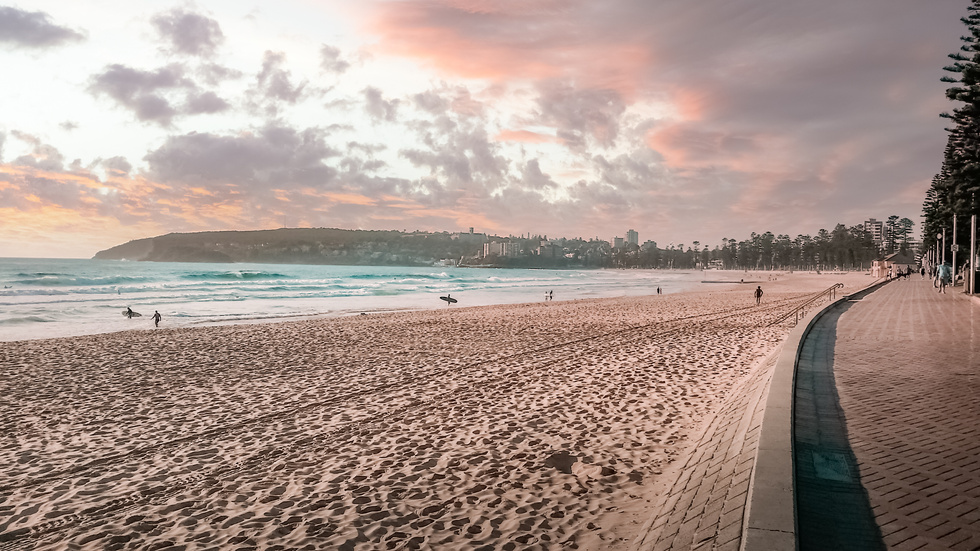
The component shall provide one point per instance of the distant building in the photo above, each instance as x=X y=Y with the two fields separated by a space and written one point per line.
x=892 y=264
x=504 y=249
x=618 y=242
x=469 y=237
x=877 y=231
x=549 y=250
x=632 y=237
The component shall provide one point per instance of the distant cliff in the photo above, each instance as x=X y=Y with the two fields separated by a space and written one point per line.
x=300 y=246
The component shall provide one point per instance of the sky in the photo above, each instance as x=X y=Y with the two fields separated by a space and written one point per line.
x=685 y=121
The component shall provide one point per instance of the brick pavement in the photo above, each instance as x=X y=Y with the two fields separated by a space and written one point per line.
x=704 y=507
x=833 y=511
x=906 y=365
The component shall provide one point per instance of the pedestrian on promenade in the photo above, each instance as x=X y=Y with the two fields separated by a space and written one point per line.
x=758 y=294
x=943 y=276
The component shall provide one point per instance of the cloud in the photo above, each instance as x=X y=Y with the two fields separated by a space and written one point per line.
x=33 y=29
x=117 y=166
x=581 y=115
x=141 y=91
x=68 y=125
x=431 y=101
x=156 y=96
x=330 y=60
x=214 y=74
x=189 y=33
x=524 y=136
x=457 y=99
x=379 y=108
x=3 y=139
x=461 y=160
x=42 y=155
x=271 y=156
x=546 y=40
x=533 y=178
x=274 y=86
x=206 y=102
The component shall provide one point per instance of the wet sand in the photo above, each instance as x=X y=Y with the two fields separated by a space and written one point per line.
x=542 y=426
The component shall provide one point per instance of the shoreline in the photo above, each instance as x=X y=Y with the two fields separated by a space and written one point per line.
x=504 y=426
x=73 y=298
x=328 y=307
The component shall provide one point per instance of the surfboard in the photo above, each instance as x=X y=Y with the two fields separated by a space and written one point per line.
x=133 y=315
x=449 y=299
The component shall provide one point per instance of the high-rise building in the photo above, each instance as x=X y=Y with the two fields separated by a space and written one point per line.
x=632 y=237
x=877 y=231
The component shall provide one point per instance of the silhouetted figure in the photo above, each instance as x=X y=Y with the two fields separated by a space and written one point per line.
x=758 y=294
x=129 y=312
x=156 y=318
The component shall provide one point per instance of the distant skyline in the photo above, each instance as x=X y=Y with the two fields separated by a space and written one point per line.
x=681 y=120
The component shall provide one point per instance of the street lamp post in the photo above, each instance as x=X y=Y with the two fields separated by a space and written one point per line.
x=954 y=250
x=939 y=237
x=973 y=253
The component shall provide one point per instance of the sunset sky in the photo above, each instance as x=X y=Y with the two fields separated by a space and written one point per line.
x=684 y=120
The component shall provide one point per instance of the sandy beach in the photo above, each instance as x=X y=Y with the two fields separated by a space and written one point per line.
x=539 y=426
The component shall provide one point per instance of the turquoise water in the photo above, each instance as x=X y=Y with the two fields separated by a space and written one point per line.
x=45 y=298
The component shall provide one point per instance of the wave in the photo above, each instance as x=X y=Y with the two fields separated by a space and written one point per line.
x=236 y=275
x=26 y=319
x=399 y=277
x=67 y=280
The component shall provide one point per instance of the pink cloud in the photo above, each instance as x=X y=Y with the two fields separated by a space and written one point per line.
x=511 y=41
x=688 y=146
x=524 y=136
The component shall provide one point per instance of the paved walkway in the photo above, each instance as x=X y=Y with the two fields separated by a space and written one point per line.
x=704 y=507
x=893 y=461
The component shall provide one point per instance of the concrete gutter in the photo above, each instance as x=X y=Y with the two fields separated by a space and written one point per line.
x=770 y=510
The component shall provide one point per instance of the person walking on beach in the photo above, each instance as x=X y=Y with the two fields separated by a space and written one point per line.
x=129 y=312
x=758 y=294
x=156 y=318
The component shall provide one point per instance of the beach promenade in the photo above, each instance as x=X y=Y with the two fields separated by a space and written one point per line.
x=886 y=437
x=904 y=441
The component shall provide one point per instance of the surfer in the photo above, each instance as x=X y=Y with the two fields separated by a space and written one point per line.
x=449 y=299
x=156 y=318
x=129 y=312
x=758 y=294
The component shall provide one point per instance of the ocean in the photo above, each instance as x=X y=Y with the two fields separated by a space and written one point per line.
x=48 y=298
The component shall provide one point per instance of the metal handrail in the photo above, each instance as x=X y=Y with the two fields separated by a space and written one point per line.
x=800 y=310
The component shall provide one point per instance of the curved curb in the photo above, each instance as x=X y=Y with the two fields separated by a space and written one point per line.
x=770 y=515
